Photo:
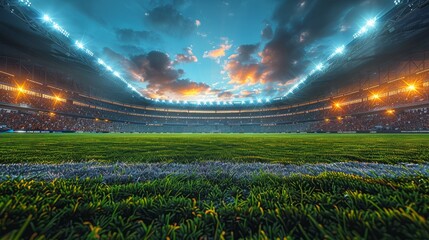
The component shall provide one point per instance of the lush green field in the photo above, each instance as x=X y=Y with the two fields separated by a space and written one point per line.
x=328 y=206
x=331 y=206
x=184 y=148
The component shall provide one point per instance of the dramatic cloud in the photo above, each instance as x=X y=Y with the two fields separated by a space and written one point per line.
x=219 y=52
x=243 y=68
x=293 y=36
x=163 y=80
x=131 y=49
x=187 y=57
x=302 y=25
x=283 y=57
x=248 y=94
x=267 y=32
x=131 y=36
x=169 y=20
x=225 y=95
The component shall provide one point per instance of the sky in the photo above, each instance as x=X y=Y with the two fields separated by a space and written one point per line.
x=213 y=50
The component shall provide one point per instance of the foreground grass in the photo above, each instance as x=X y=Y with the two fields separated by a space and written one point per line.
x=329 y=206
x=185 y=148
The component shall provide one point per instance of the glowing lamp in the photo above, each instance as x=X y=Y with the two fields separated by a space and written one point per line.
x=337 y=105
x=340 y=50
x=411 y=87
x=390 y=112
x=80 y=45
x=375 y=96
x=46 y=18
x=371 y=22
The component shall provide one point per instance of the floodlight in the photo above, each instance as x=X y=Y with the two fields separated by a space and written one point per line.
x=376 y=96
x=319 y=66
x=411 y=87
x=371 y=22
x=337 y=105
x=79 y=45
x=56 y=26
x=340 y=50
x=46 y=18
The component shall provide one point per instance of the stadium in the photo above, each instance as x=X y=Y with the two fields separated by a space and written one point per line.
x=286 y=139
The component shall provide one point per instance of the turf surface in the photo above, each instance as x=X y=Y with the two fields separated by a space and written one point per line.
x=329 y=206
x=185 y=148
x=214 y=206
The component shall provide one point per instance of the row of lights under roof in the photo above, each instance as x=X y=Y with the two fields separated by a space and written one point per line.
x=55 y=25
x=26 y=2
x=78 y=44
x=214 y=103
x=370 y=24
x=410 y=87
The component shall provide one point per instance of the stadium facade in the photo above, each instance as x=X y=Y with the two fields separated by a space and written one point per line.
x=381 y=83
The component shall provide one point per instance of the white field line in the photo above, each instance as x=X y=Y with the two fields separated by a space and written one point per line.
x=148 y=171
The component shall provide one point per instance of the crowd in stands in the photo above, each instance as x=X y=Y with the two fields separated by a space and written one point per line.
x=389 y=120
x=42 y=121
x=22 y=110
